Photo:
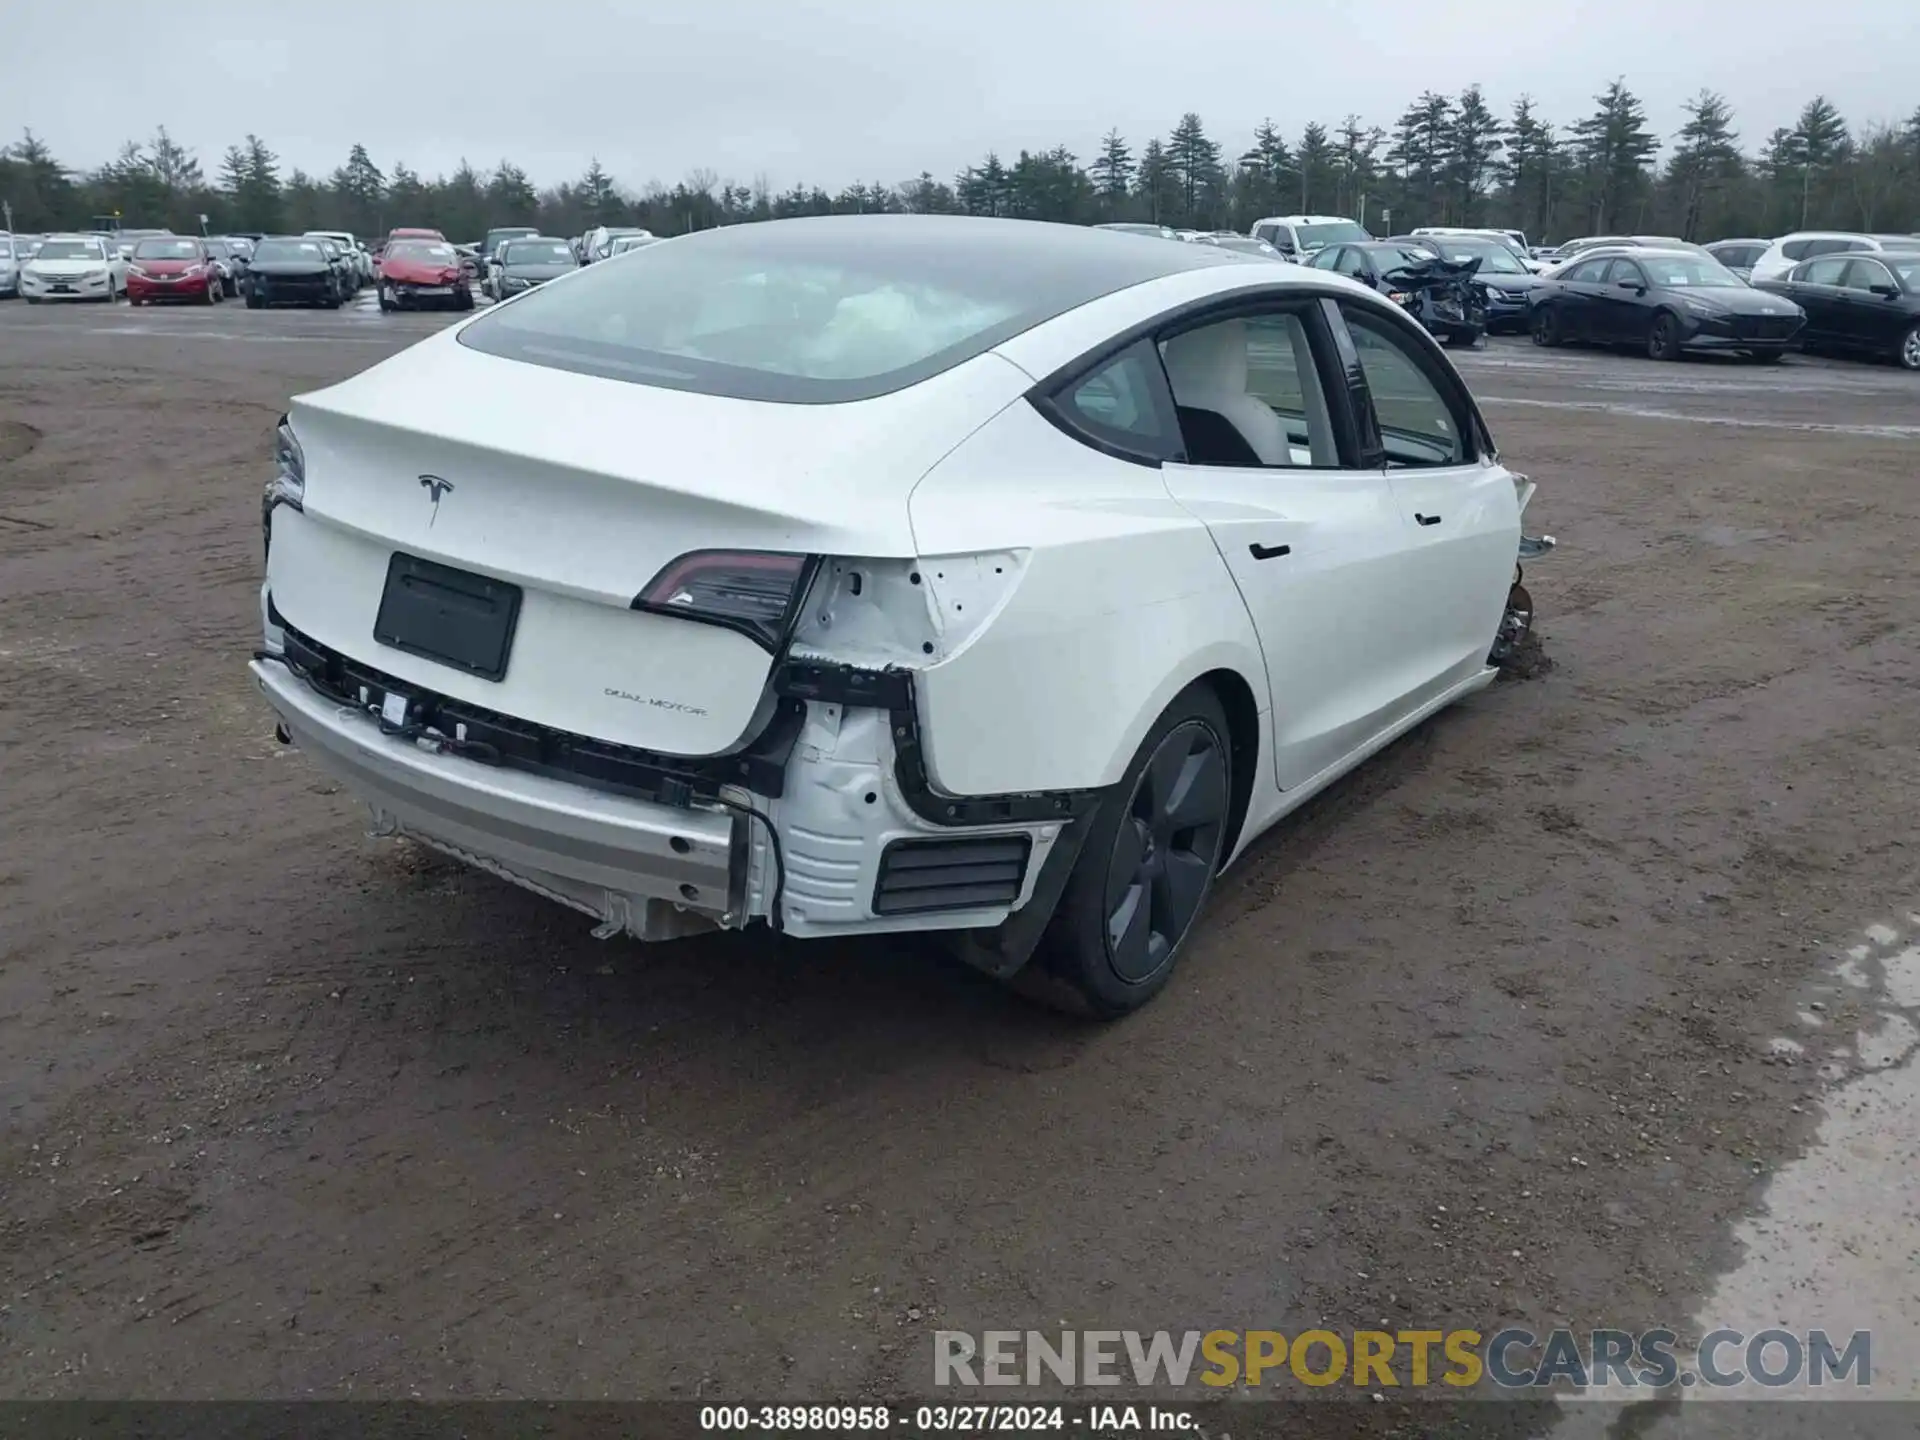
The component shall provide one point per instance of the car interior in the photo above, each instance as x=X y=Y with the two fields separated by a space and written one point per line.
x=1248 y=394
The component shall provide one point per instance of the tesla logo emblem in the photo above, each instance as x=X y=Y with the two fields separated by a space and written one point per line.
x=435 y=487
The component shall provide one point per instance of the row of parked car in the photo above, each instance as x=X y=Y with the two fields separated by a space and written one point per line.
x=153 y=265
x=1841 y=292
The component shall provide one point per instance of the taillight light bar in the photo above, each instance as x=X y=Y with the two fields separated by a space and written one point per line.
x=755 y=592
x=287 y=485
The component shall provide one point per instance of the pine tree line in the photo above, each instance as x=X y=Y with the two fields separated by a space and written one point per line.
x=1447 y=159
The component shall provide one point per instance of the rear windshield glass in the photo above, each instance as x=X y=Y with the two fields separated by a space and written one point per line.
x=1313 y=237
x=539 y=252
x=1684 y=270
x=820 y=311
x=1494 y=258
x=1907 y=267
x=272 y=250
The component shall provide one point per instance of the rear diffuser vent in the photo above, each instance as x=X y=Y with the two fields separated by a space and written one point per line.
x=917 y=876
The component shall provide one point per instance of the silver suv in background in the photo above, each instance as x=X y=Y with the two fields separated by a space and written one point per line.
x=1299 y=237
x=1789 y=250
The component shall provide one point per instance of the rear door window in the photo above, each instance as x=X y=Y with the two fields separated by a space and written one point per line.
x=1821 y=272
x=1123 y=407
x=1249 y=393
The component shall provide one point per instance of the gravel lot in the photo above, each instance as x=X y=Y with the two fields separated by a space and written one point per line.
x=290 y=1112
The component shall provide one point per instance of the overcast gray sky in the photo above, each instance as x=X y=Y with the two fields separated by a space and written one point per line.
x=831 y=91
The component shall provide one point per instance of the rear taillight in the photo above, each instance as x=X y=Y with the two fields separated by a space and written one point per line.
x=287 y=485
x=756 y=592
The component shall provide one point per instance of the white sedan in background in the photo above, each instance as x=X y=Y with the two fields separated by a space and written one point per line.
x=888 y=573
x=74 y=267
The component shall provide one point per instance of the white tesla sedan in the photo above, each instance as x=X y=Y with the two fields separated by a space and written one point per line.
x=887 y=573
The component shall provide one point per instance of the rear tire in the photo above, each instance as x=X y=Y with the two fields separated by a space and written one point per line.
x=254 y=302
x=1546 y=327
x=1145 y=871
x=1663 y=340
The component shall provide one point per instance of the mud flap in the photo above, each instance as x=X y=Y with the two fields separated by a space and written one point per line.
x=1005 y=949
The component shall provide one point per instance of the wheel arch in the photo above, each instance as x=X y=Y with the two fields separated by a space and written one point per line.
x=1242 y=707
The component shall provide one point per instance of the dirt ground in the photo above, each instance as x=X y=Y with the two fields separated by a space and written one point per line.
x=1481 y=1037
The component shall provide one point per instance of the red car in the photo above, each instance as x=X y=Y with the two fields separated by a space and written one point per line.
x=418 y=272
x=406 y=233
x=172 y=267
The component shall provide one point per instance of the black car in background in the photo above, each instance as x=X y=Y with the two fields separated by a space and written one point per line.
x=493 y=240
x=1440 y=293
x=231 y=264
x=293 y=270
x=346 y=269
x=528 y=261
x=1505 y=284
x=1865 y=305
x=1663 y=302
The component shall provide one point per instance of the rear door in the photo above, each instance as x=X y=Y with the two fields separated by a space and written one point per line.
x=1816 y=289
x=1872 y=320
x=1580 y=301
x=1312 y=538
x=1621 y=314
x=1459 y=507
x=1354 y=263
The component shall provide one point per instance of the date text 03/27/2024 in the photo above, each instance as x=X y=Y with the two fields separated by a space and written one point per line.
x=946 y=1419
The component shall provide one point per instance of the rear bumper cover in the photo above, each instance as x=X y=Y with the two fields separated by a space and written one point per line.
x=605 y=854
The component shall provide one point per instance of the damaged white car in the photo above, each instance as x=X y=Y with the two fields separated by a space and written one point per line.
x=888 y=573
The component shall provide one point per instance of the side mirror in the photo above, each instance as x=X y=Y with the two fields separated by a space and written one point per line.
x=1887 y=292
x=1633 y=285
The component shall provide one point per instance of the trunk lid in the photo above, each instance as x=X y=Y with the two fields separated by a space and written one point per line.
x=580 y=490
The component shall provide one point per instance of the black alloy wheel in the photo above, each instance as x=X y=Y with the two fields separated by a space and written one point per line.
x=1663 y=340
x=1145 y=869
x=1546 y=326
x=1162 y=858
